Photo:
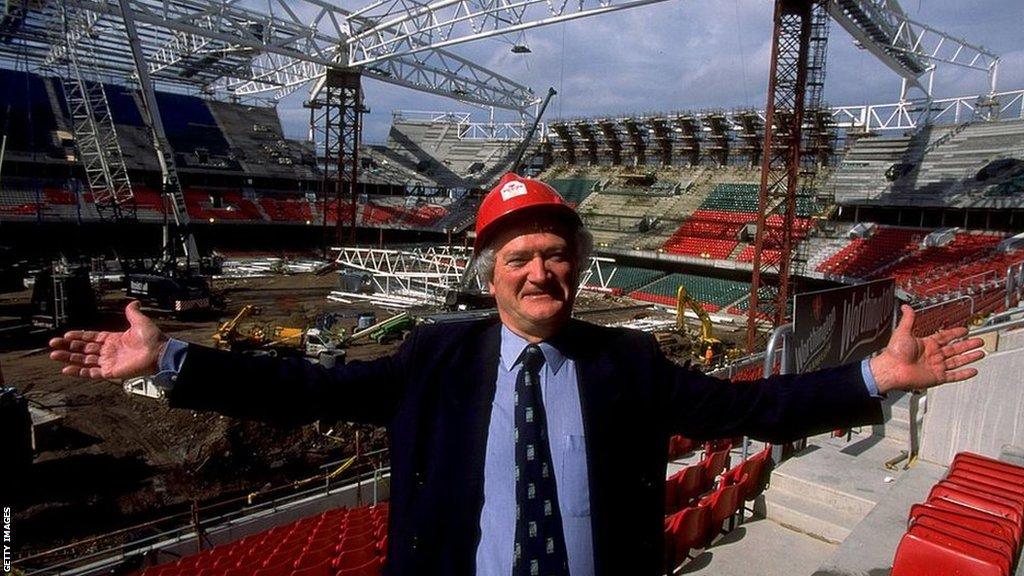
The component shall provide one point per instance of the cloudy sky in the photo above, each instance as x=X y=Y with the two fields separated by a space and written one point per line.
x=685 y=54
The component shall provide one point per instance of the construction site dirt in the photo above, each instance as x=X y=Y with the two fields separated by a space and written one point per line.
x=121 y=460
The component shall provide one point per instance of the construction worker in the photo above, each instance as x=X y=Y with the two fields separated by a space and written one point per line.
x=534 y=443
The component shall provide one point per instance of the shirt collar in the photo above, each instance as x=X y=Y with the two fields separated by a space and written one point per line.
x=512 y=346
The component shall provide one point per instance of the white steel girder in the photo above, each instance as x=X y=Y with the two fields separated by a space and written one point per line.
x=390 y=28
x=221 y=46
x=908 y=114
x=895 y=116
x=908 y=47
x=424 y=275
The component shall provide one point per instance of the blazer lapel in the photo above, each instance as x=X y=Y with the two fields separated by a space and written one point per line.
x=600 y=391
x=466 y=419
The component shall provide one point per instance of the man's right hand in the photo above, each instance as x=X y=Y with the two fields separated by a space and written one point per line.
x=134 y=352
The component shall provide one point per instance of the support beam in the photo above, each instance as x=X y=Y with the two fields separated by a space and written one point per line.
x=780 y=167
x=336 y=121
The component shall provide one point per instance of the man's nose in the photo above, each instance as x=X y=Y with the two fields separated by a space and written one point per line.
x=536 y=270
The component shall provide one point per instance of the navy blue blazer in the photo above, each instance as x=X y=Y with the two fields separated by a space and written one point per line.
x=434 y=396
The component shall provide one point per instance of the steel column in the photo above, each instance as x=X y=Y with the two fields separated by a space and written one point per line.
x=780 y=166
x=336 y=121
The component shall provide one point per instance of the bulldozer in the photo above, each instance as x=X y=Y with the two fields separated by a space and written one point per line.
x=703 y=346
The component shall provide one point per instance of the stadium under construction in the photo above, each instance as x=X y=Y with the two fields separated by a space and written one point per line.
x=143 y=156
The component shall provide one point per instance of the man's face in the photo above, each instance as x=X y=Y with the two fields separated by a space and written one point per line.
x=534 y=281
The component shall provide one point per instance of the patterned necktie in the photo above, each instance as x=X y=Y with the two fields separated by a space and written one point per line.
x=540 y=543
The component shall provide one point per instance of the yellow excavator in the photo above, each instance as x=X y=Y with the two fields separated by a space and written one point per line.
x=270 y=337
x=707 y=348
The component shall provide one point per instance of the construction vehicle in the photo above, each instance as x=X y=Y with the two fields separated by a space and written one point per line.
x=708 y=349
x=274 y=339
x=386 y=330
x=177 y=294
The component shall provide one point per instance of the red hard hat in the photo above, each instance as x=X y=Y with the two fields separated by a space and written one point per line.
x=514 y=194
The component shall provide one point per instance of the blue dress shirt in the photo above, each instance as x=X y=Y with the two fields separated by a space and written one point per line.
x=568 y=455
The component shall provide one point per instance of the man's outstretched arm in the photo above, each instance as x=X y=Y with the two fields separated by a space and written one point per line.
x=280 y=391
x=783 y=408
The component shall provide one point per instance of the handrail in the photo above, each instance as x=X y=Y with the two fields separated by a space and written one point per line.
x=780 y=334
x=997 y=327
x=998 y=318
x=779 y=338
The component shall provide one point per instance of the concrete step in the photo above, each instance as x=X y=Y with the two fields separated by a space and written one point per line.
x=759 y=546
x=897 y=418
x=871 y=546
x=816 y=519
x=895 y=430
x=823 y=489
x=827 y=488
x=899 y=407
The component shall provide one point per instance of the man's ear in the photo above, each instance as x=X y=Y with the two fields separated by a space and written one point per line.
x=490 y=287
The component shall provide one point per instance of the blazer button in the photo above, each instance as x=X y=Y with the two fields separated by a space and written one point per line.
x=418 y=478
x=415 y=542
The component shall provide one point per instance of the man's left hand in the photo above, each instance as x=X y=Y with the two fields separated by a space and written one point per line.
x=911 y=363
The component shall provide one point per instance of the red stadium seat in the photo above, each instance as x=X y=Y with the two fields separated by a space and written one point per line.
x=314 y=556
x=356 y=556
x=982 y=515
x=982 y=480
x=685 y=530
x=986 y=523
x=978 y=500
x=711 y=466
x=679 y=446
x=672 y=493
x=356 y=541
x=1013 y=493
x=987 y=541
x=691 y=484
x=370 y=568
x=979 y=460
x=927 y=552
x=744 y=476
x=324 y=568
x=283 y=569
x=724 y=503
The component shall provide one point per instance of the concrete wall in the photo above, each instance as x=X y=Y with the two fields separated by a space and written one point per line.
x=981 y=414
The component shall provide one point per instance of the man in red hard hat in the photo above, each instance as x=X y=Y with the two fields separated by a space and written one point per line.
x=543 y=247
x=535 y=443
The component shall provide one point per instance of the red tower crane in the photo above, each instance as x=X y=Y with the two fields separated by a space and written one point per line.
x=795 y=83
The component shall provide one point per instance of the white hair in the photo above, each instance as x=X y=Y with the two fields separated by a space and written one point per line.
x=582 y=246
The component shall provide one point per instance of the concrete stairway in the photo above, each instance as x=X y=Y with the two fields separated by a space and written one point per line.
x=829 y=487
x=897 y=418
x=871 y=546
